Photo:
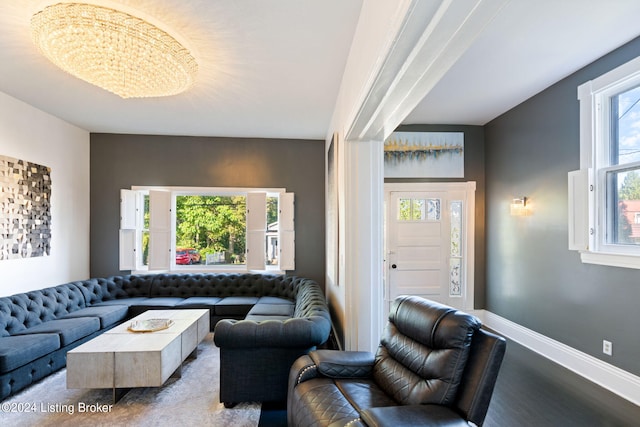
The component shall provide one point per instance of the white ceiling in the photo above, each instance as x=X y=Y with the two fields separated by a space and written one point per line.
x=530 y=45
x=272 y=68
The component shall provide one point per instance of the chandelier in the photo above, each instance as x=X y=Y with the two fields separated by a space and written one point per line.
x=113 y=50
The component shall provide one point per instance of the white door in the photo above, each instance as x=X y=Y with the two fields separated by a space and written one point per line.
x=427 y=242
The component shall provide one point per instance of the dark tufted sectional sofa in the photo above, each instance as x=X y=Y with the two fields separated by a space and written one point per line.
x=267 y=318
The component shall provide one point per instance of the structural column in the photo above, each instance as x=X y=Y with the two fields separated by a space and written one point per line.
x=364 y=206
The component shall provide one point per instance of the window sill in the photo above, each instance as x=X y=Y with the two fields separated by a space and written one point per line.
x=202 y=270
x=612 y=260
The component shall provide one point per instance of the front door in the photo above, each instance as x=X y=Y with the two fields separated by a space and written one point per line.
x=427 y=242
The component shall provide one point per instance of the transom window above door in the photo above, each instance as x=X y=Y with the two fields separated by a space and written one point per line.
x=410 y=209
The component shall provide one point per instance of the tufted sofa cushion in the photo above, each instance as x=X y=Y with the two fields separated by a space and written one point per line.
x=13 y=314
x=206 y=285
x=282 y=286
x=19 y=350
x=311 y=303
x=226 y=295
x=199 y=302
x=271 y=310
x=53 y=303
x=22 y=311
x=69 y=330
x=108 y=314
x=235 y=307
x=111 y=289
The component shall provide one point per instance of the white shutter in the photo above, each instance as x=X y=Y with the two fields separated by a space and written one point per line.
x=256 y=230
x=127 y=249
x=159 y=230
x=128 y=225
x=128 y=209
x=580 y=218
x=286 y=228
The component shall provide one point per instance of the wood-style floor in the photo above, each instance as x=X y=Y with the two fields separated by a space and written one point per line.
x=533 y=391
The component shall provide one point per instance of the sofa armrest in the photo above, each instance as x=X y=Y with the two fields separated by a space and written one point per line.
x=343 y=364
x=306 y=333
x=332 y=364
x=412 y=415
x=303 y=369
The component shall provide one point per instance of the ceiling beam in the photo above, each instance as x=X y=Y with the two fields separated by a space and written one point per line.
x=428 y=40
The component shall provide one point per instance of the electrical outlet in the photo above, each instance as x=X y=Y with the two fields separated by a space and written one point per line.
x=607 y=347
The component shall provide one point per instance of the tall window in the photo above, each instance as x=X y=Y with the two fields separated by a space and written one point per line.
x=203 y=229
x=622 y=177
x=605 y=193
x=144 y=232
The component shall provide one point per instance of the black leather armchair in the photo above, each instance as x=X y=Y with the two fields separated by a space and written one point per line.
x=434 y=366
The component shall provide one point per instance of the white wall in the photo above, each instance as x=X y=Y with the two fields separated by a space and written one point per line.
x=30 y=134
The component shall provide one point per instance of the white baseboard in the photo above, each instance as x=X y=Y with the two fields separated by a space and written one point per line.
x=614 y=379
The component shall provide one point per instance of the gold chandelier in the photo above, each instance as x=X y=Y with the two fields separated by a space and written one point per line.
x=113 y=50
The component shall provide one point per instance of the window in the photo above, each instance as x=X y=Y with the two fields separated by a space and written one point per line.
x=206 y=229
x=144 y=232
x=419 y=210
x=604 y=195
x=211 y=229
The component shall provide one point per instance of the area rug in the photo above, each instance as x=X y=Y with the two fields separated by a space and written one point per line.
x=192 y=400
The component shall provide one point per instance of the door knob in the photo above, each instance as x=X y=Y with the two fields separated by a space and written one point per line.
x=394 y=266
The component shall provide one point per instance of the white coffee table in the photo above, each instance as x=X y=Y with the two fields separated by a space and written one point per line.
x=120 y=359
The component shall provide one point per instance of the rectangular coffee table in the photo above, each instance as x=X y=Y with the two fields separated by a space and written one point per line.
x=120 y=359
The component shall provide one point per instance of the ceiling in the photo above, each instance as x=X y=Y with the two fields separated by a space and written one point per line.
x=272 y=68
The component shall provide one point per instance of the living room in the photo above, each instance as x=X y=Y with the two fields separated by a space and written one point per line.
x=529 y=285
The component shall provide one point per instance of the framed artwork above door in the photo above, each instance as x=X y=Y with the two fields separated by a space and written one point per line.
x=424 y=155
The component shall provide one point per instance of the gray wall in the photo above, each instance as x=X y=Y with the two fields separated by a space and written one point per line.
x=120 y=161
x=532 y=277
x=473 y=171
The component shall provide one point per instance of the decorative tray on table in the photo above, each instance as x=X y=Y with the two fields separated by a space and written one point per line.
x=150 y=325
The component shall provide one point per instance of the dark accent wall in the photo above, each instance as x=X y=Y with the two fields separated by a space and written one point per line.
x=474 y=165
x=532 y=277
x=121 y=161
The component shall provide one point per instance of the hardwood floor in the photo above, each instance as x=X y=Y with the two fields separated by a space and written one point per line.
x=533 y=391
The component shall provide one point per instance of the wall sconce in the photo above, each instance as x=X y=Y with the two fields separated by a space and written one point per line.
x=520 y=207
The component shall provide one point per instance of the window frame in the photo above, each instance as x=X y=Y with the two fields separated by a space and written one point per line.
x=170 y=264
x=588 y=205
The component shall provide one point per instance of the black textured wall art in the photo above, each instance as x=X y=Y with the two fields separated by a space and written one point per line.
x=25 y=209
